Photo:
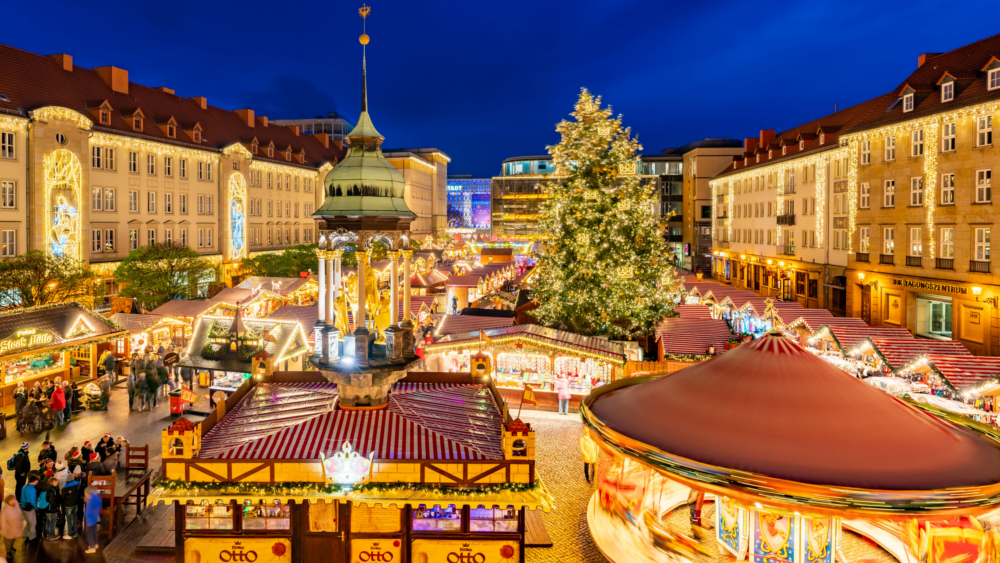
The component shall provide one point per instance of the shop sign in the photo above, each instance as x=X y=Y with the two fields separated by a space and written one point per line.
x=347 y=466
x=27 y=338
x=931 y=286
x=381 y=550
x=457 y=551
x=243 y=550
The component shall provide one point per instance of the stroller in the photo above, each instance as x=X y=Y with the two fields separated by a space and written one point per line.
x=35 y=417
x=92 y=396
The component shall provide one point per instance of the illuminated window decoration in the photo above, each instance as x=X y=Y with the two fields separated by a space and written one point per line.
x=149 y=147
x=63 y=193
x=55 y=112
x=347 y=467
x=237 y=150
x=237 y=217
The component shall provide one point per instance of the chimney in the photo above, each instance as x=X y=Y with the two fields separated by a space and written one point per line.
x=64 y=60
x=924 y=58
x=116 y=78
x=766 y=136
x=201 y=101
x=749 y=143
x=165 y=89
x=339 y=144
x=262 y=119
x=294 y=129
x=323 y=138
x=246 y=115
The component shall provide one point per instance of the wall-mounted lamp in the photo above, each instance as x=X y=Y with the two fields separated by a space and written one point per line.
x=743 y=256
x=976 y=290
x=861 y=276
x=769 y=261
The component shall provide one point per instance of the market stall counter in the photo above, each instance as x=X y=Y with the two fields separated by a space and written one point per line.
x=47 y=342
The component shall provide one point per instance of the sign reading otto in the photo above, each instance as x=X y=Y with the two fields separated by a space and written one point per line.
x=243 y=550
x=24 y=339
x=380 y=550
x=458 y=551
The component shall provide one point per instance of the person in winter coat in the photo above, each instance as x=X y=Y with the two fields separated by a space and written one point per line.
x=141 y=389
x=102 y=446
x=11 y=524
x=130 y=386
x=76 y=462
x=58 y=405
x=22 y=465
x=68 y=396
x=36 y=392
x=91 y=517
x=20 y=398
x=95 y=467
x=62 y=473
x=49 y=507
x=105 y=384
x=47 y=453
x=590 y=453
x=110 y=463
x=109 y=366
x=152 y=385
x=71 y=499
x=85 y=452
x=29 y=500
x=562 y=388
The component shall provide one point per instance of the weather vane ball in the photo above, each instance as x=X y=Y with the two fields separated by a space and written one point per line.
x=363 y=11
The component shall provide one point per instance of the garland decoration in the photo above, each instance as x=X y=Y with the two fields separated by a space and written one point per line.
x=305 y=487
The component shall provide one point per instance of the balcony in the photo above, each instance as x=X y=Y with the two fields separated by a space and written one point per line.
x=914 y=261
x=980 y=266
x=787 y=220
x=788 y=250
x=944 y=263
x=889 y=259
x=861 y=257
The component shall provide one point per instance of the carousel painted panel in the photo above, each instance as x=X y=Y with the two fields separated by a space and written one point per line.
x=772 y=537
x=819 y=539
x=731 y=526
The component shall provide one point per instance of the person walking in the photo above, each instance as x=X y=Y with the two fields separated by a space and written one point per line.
x=91 y=517
x=105 y=384
x=68 y=396
x=562 y=389
x=29 y=499
x=70 y=498
x=49 y=506
x=109 y=366
x=130 y=386
x=590 y=453
x=11 y=524
x=57 y=404
x=20 y=398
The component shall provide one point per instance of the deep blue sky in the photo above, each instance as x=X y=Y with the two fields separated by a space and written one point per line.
x=486 y=80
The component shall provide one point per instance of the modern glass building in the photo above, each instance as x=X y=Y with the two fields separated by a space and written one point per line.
x=468 y=204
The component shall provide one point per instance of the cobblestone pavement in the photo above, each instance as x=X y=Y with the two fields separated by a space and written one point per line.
x=561 y=468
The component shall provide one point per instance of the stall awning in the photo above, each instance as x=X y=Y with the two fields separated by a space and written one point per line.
x=693 y=336
x=897 y=352
x=568 y=342
x=847 y=337
x=958 y=371
x=693 y=311
x=458 y=324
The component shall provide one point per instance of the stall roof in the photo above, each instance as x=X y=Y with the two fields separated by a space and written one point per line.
x=135 y=323
x=897 y=352
x=959 y=371
x=286 y=333
x=457 y=324
x=693 y=311
x=287 y=285
x=233 y=295
x=67 y=323
x=814 y=319
x=849 y=336
x=183 y=308
x=299 y=421
x=539 y=335
x=693 y=336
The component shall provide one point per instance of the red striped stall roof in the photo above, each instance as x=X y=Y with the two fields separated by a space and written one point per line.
x=457 y=324
x=849 y=336
x=898 y=352
x=694 y=311
x=438 y=421
x=606 y=349
x=693 y=336
x=960 y=371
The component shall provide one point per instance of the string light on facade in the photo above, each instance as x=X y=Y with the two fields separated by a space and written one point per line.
x=150 y=147
x=16 y=124
x=55 y=112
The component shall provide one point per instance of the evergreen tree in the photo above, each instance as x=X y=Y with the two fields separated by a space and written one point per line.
x=604 y=267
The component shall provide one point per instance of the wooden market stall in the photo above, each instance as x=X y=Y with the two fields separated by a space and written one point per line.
x=149 y=331
x=532 y=355
x=47 y=342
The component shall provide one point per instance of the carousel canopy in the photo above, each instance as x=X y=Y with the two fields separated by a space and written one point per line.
x=772 y=409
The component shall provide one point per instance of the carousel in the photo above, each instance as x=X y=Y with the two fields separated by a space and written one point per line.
x=775 y=456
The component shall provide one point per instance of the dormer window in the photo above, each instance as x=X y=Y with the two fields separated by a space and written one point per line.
x=784 y=150
x=802 y=145
x=270 y=152
x=197 y=136
x=993 y=79
x=105 y=117
x=137 y=123
x=908 y=103
x=253 y=147
x=822 y=138
x=288 y=155
x=947 y=91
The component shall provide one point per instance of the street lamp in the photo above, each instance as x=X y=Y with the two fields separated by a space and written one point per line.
x=861 y=277
x=976 y=290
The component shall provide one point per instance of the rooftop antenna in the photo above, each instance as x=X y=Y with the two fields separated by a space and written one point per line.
x=363 y=11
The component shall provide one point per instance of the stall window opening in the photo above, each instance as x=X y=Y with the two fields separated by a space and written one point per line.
x=495 y=519
x=437 y=519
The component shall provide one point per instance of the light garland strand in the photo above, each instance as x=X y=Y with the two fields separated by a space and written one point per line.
x=56 y=112
x=295 y=488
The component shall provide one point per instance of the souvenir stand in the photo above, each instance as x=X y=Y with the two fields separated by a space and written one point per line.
x=794 y=461
x=43 y=343
x=532 y=355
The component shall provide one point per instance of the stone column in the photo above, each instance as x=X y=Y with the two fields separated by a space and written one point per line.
x=361 y=316
x=395 y=338
x=331 y=336
x=356 y=345
x=407 y=325
x=318 y=327
x=394 y=287
x=331 y=292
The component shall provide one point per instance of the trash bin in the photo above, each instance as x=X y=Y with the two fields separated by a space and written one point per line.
x=176 y=404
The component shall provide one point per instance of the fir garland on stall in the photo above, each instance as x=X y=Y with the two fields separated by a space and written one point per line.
x=307 y=487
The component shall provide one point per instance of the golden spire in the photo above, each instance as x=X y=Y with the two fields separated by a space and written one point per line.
x=363 y=11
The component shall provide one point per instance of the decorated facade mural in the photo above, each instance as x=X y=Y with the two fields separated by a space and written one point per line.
x=63 y=193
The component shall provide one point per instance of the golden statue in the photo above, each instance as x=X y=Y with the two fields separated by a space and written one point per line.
x=371 y=295
x=340 y=318
x=383 y=318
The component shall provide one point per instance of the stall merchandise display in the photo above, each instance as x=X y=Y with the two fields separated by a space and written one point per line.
x=14 y=372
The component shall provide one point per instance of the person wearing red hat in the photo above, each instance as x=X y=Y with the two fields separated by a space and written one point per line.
x=85 y=452
x=95 y=467
x=102 y=447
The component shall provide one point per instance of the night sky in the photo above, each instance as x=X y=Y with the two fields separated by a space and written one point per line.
x=484 y=81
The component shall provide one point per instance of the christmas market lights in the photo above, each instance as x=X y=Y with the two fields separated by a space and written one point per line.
x=56 y=112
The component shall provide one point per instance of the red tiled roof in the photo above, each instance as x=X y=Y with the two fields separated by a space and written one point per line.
x=32 y=81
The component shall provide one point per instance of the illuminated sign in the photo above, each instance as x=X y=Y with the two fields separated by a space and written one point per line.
x=246 y=550
x=347 y=466
x=375 y=550
x=456 y=551
x=27 y=338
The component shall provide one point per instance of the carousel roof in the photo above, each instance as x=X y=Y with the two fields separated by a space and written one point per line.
x=770 y=409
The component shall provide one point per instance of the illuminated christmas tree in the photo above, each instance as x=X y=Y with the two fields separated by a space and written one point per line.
x=604 y=267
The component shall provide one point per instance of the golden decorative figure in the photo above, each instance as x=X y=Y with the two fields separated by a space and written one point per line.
x=340 y=318
x=363 y=11
x=383 y=318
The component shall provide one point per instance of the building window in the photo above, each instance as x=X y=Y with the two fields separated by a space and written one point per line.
x=890 y=147
x=994 y=79
x=109 y=240
x=916 y=243
x=889 y=197
x=864 y=238
x=133 y=239
x=296 y=183
x=984 y=131
x=288 y=214
x=96 y=199
x=137 y=123
x=151 y=164
x=9 y=240
x=948 y=242
x=864 y=201
x=171 y=131
x=888 y=240
x=947 y=189
x=105 y=117
x=168 y=203
x=236 y=165
x=109 y=158
x=184 y=203
x=917 y=142
x=133 y=201
x=208 y=205
x=201 y=238
x=7 y=145
x=268 y=180
x=168 y=166
x=151 y=237
x=208 y=238
x=8 y=199
x=133 y=162
x=270 y=152
x=269 y=208
x=95 y=241
x=288 y=183
x=151 y=202
x=916 y=192
x=947 y=92
x=278 y=184
x=908 y=102
x=197 y=136
x=982 y=244
x=866 y=153
x=168 y=235
x=948 y=137
x=208 y=170
x=184 y=168
x=984 y=184
x=201 y=170
x=96 y=157
x=201 y=205
x=183 y=237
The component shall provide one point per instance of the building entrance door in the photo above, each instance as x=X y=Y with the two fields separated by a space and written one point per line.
x=866 y=304
x=756 y=278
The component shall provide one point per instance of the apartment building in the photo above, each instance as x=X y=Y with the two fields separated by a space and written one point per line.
x=93 y=165
x=425 y=172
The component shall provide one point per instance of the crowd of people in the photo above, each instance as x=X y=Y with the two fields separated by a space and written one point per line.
x=149 y=379
x=52 y=497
